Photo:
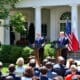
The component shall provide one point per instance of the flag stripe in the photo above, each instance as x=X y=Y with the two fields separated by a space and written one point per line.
x=73 y=42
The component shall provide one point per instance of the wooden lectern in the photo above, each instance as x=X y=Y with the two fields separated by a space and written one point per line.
x=36 y=53
x=58 y=52
x=58 y=49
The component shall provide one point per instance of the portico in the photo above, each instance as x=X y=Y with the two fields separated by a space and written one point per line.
x=55 y=13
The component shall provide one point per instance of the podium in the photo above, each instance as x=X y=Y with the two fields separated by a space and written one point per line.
x=55 y=44
x=36 y=53
x=58 y=52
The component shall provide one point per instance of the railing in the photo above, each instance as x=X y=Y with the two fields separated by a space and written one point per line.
x=74 y=55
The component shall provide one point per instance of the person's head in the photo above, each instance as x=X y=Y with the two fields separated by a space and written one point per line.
x=9 y=78
x=61 y=34
x=1 y=65
x=71 y=61
x=11 y=68
x=32 y=63
x=31 y=57
x=28 y=72
x=49 y=66
x=58 y=78
x=75 y=63
x=73 y=69
x=44 y=62
x=38 y=35
x=20 y=61
x=61 y=60
x=43 y=70
x=49 y=58
x=53 y=60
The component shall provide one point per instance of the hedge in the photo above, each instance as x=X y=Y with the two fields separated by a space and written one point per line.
x=9 y=54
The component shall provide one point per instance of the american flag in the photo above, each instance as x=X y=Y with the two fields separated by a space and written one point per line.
x=73 y=42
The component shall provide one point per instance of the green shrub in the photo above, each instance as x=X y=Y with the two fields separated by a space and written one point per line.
x=9 y=54
x=48 y=51
x=15 y=52
x=25 y=51
x=4 y=53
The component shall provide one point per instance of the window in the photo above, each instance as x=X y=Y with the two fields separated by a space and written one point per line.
x=44 y=30
x=63 y=18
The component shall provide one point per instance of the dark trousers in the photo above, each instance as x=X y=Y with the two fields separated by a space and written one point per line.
x=64 y=53
x=41 y=54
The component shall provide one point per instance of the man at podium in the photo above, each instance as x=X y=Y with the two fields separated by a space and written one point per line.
x=62 y=44
x=39 y=45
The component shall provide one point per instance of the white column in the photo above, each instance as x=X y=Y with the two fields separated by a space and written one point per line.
x=53 y=33
x=1 y=31
x=74 y=16
x=37 y=21
x=7 y=32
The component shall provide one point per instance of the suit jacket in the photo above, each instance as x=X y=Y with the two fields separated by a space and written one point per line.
x=62 y=42
x=39 y=42
x=44 y=78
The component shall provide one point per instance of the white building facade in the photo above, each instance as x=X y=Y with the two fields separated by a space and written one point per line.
x=51 y=13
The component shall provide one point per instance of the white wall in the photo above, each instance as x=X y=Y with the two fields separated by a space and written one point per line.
x=56 y=12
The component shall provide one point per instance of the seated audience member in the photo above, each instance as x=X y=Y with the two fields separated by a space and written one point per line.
x=43 y=75
x=58 y=78
x=28 y=74
x=51 y=74
x=49 y=59
x=1 y=66
x=37 y=72
x=1 y=75
x=32 y=63
x=31 y=57
x=53 y=60
x=70 y=62
x=44 y=62
x=20 y=66
x=60 y=68
x=69 y=70
x=12 y=72
x=9 y=78
x=35 y=78
x=74 y=75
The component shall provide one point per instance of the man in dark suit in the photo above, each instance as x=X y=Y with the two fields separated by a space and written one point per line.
x=60 y=68
x=63 y=44
x=39 y=44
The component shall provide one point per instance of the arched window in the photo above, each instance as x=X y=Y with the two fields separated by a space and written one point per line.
x=63 y=19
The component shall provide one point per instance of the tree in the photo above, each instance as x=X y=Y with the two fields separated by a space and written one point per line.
x=17 y=21
x=6 y=6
